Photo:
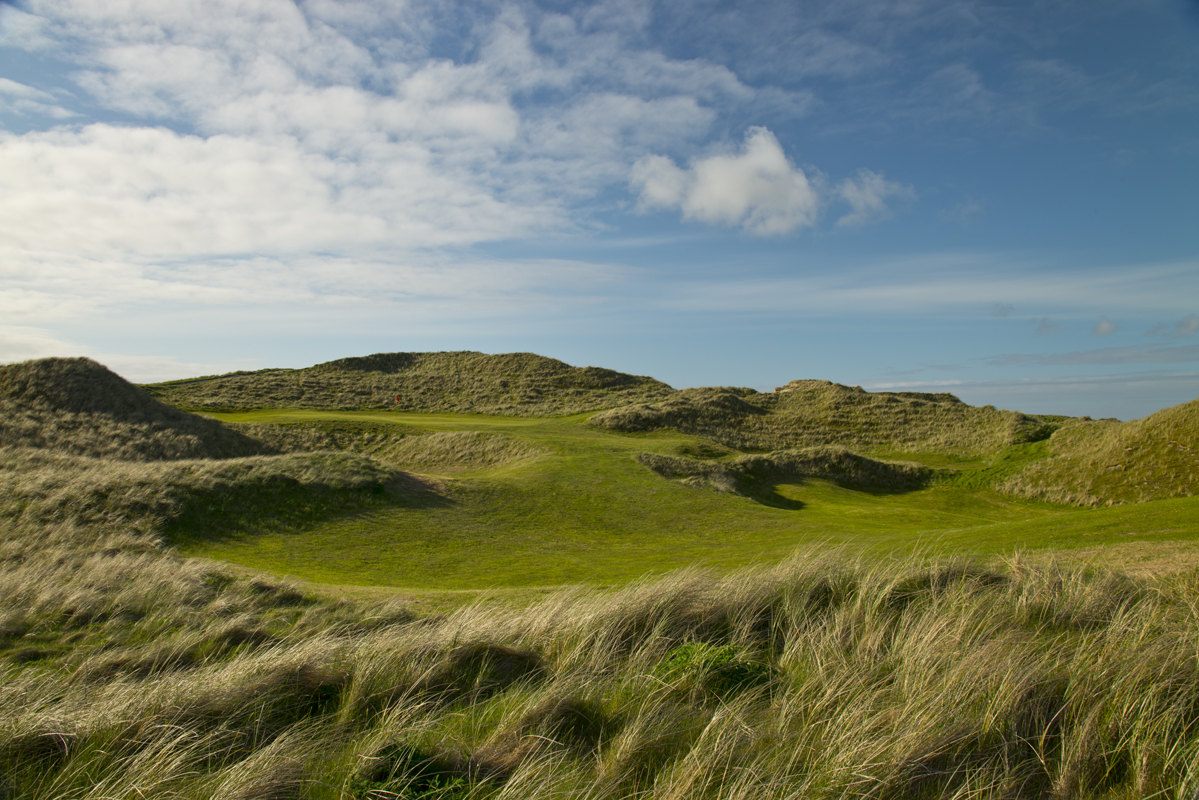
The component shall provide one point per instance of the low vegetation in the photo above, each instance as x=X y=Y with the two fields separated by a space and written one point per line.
x=133 y=671
x=818 y=413
x=517 y=384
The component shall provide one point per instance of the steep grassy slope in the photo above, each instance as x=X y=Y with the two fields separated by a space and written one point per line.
x=1118 y=462
x=813 y=413
x=518 y=384
x=76 y=406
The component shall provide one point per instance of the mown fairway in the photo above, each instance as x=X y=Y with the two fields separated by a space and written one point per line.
x=585 y=511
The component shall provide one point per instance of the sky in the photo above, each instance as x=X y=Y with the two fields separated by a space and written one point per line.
x=995 y=199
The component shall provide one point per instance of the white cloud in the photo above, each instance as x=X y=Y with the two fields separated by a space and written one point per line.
x=867 y=196
x=301 y=127
x=757 y=188
x=24 y=99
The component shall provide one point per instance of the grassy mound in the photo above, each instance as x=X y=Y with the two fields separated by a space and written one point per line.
x=515 y=384
x=749 y=474
x=1118 y=462
x=82 y=447
x=74 y=405
x=205 y=496
x=814 y=413
x=458 y=450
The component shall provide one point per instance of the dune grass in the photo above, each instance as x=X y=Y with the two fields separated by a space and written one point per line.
x=515 y=384
x=820 y=413
x=1109 y=462
x=824 y=677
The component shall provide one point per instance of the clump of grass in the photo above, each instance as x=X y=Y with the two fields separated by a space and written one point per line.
x=1107 y=462
x=513 y=384
x=817 y=413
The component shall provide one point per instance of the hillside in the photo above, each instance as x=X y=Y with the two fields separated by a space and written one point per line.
x=511 y=384
x=809 y=413
x=1106 y=462
x=79 y=407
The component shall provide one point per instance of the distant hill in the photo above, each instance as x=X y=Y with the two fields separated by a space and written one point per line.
x=1106 y=462
x=79 y=407
x=512 y=384
x=811 y=413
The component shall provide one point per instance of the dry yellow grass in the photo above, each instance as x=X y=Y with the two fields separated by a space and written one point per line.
x=148 y=676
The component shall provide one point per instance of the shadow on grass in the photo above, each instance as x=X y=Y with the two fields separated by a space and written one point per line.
x=767 y=494
x=239 y=512
x=766 y=491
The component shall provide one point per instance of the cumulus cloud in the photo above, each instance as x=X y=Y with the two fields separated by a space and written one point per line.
x=757 y=188
x=325 y=125
x=1104 y=327
x=867 y=195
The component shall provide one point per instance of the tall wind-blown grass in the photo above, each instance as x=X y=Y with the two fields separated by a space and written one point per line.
x=143 y=676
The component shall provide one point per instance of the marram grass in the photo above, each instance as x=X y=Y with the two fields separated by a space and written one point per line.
x=143 y=676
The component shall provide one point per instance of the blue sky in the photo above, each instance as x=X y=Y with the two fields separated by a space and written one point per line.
x=998 y=199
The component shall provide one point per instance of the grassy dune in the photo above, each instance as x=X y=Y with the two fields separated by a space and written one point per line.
x=518 y=384
x=817 y=413
x=1118 y=462
x=76 y=406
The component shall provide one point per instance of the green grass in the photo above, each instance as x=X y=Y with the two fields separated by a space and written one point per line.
x=587 y=512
